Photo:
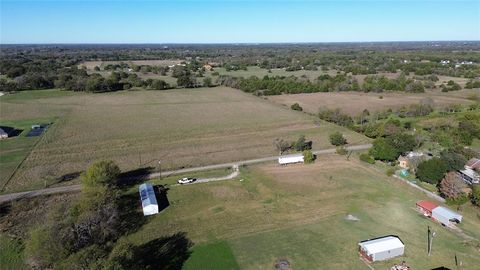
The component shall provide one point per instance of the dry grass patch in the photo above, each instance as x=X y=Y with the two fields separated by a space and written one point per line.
x=353 y=103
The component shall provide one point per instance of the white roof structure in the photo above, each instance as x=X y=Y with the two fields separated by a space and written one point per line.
x=149 y=201
x=441 y=212
x=381 y=244
x=293 y=158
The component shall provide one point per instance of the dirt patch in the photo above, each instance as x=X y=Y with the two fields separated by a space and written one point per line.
x=351 y=217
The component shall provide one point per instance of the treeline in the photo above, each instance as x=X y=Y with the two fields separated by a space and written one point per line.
x=278 y=85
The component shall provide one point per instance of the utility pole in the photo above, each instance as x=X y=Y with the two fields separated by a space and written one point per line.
x=431 y=234
x=160 y=168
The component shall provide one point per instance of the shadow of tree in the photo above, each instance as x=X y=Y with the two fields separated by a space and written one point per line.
x=441 y=268
x=130 y=214
x=134 y=176
x=68 y=177
x=168 y=253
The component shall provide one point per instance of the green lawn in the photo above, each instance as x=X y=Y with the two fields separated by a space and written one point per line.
x=298 y=213
x=15 y=149
x=11 y=254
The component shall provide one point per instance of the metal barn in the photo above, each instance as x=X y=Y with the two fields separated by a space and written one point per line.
x=381 y=248
x=289 y=159
x=446 y=216
x=149 y=201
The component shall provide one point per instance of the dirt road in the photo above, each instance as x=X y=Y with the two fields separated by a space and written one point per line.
x=76 y=188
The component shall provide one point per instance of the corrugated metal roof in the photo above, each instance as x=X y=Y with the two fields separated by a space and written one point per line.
x=447 y=213
x=292 y=155
x=427 y=205
x=381 y=244
x=147 y=194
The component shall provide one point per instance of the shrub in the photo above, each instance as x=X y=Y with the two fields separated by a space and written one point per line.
x=308 y=156
x=367 y=158
x=337 y=139
x=296 y=107
x=390 y=171
x=458 y=201
x=341 y=150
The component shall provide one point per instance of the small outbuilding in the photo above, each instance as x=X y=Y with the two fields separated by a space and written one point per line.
x=426 y=207
x=382 y=248
x=446 y=216
x=290 y=159
x=149 y=201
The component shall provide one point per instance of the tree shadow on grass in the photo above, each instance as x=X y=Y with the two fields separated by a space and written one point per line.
x=168 y=253
x=441 y=268
x=130 y=214
x=134 y=176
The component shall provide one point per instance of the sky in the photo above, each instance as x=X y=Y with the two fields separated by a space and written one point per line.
x=215 y=21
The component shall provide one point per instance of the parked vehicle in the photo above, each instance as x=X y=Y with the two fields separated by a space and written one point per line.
x=187 y=180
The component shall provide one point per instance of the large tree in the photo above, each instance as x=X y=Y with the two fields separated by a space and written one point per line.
x=383 y=150
x=452 y=186
x=431 y=171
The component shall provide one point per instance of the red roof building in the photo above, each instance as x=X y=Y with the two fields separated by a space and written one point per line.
x=426 y=207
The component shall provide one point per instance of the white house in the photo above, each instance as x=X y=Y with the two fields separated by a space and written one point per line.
x=469 y=176
x=381 y=248
x=289 y=159
x=446 y=216
x=149 y=201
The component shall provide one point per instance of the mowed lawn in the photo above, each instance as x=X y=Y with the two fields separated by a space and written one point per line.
x=298 y=213
x=182 y=128
x=353 y=103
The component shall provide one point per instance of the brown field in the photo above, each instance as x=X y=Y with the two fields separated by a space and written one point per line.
x=353 y=103
x=182 y=128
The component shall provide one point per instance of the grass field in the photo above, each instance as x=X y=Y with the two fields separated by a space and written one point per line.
x=298 y=213
x=182 y=128
x=353 y=103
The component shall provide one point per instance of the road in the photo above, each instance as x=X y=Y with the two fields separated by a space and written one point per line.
x=76 y=188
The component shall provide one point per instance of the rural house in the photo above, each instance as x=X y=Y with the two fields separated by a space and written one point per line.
x=149 y=201
x=426 y=207
x=473 y=164
x=469 y=176
x=382 y=248
x=289 y=159
x=411 y=160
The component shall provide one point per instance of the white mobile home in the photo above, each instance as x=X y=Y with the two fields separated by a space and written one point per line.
x=446 y=216
x=382 y=248
x=149 y=201
x=288 y=159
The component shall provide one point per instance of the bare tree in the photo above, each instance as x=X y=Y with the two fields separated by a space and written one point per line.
x=281 y=145
x=452 y=186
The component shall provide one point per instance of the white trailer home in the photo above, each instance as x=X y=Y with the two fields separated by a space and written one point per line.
x=289 y=159
x=382 y=248
x=446 y=216
x=149 y=201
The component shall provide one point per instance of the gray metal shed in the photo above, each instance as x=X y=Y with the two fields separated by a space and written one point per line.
x=446 y=216
x=381 y=248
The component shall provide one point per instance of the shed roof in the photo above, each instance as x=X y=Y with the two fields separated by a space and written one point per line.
x=427 y=205
x=292 y=155
x=381 y=244
x=474 y=163
x=147 y=194
x=447 y=213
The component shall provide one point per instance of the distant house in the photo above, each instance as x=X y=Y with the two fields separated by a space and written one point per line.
x=473 y=164
x=290 y=159
x=382 y=248
x=411 y=160
x=207 y=67
x=426 y=207
x=3 y=134
x=446 y=216
x=469 y=176
x=149 y=201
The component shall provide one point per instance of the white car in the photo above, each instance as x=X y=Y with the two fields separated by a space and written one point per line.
x=186 y=180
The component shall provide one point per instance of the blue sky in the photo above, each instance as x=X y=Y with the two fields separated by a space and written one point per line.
x=232 y=21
